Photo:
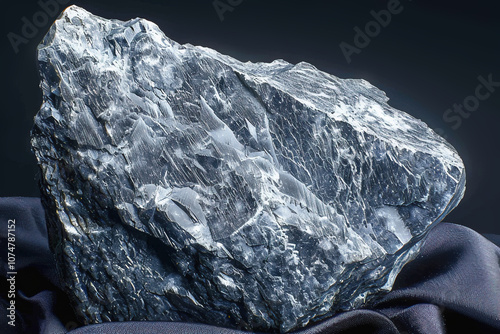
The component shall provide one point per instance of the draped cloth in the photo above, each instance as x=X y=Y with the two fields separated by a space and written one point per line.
x=453 y=286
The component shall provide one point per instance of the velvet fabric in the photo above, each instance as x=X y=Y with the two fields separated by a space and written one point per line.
x=453 y=286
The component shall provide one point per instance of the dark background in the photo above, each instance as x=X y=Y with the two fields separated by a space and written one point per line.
x=427 y=59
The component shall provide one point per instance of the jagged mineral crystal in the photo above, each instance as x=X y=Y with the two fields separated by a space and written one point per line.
x=184 y=185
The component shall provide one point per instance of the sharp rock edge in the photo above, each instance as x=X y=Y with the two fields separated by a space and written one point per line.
x=184 y=185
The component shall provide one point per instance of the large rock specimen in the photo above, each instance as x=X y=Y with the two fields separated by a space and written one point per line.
x=184 y=185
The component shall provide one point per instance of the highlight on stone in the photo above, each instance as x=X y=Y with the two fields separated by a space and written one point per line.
x=181 y=184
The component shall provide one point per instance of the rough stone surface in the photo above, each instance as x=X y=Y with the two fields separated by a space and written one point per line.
x=184 y=185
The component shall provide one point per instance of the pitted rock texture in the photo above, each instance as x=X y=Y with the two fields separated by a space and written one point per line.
x=184 y=185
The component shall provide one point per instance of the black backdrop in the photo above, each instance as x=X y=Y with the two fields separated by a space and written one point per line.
x=428 y=58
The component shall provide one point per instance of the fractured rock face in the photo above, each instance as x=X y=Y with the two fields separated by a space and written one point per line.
x=184 y=185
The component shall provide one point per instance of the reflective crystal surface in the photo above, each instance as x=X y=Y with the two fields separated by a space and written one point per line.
x=184 y=185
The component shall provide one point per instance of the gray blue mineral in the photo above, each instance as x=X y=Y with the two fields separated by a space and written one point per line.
x=184 y=185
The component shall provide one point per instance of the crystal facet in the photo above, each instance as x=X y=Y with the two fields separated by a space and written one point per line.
x=184 y=185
